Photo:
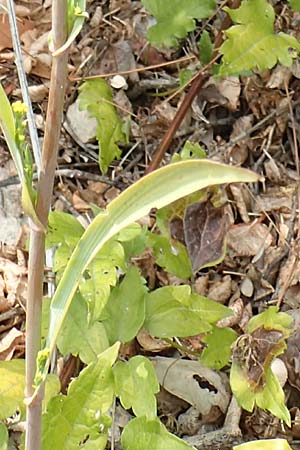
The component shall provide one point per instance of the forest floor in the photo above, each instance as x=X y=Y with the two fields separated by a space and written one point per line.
x=250 y=121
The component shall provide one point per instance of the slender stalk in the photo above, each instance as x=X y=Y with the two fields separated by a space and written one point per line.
x=37 y=238
x=23 y=83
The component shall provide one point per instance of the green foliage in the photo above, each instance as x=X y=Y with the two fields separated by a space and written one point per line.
x=252 y=43
x=175 y=311
x=124 y=313
x=76 y=16
x=171 y=256
x=175 y=19
x=136 y=386
x=205 y=48
x=251 y=378
x=142 y=433
x=11 y=128
x=215 y=354
x=264 y=444
x=295 y=4
x=3 y=437
x=96 y=97
x=12 y=387
x=78 y=336
x=80 y=416
x=155 y=190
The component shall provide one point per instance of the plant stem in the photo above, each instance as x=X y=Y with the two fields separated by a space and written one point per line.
x=37 y=238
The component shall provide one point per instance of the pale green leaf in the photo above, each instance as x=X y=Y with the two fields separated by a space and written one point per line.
x=80 y=338
x=142 y=433
x=272 y=319
x=169 y=312
x=78 y=416
x=171 y=256
x=12 y=385
x=7 y=124
x=264 y=444
x=155 y=190
x=295 y=4
x=252 y=43
x=136 y=385
x=205 y=48
x=63 y=228
x=124 y=313
x=96 y=97
x=270 y=397
x=3 y=437
x=217 y=352
x=76 y=19
x=175 y=18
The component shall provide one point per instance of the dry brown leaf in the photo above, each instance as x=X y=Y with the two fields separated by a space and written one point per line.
x=249 y=239
x=15 y=281
x=14 y=338
x=220 y=291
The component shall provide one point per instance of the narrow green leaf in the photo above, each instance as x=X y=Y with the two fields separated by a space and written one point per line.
x=155 y=190
x=252 y=43
x=79 y=416
x=3 y=437
x=136 y=385
x=205 y=48
x=76 y=16
x=264 y=444
x=175 y=18
x=125 y=311
x=142 y=433
x=7 y=124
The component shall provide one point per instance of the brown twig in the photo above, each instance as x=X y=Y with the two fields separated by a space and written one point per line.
x=196 y=85
x=37 y=236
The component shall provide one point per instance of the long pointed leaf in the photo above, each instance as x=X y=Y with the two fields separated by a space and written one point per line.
x=155 y=190
x=7 y=124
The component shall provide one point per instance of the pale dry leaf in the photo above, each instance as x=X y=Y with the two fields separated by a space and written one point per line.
x=150 y=343
x=220 y=291
x=248 y=239
x=9 y=342
x=15 y=281
x=82 y=126
x=198 y=385
x=230 y=88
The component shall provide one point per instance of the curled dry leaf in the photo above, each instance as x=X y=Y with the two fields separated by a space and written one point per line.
x=220 y=291
x=198 y=385
x=249 y=239
x=10 y=342
x=14 y=277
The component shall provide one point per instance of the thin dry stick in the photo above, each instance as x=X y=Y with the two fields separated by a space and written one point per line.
x=37 y=237
x=23 y=83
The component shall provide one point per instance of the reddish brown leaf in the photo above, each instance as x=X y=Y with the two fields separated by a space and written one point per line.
x=204 y=230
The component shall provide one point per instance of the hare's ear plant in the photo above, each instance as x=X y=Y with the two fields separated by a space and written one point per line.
x=80 y=419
